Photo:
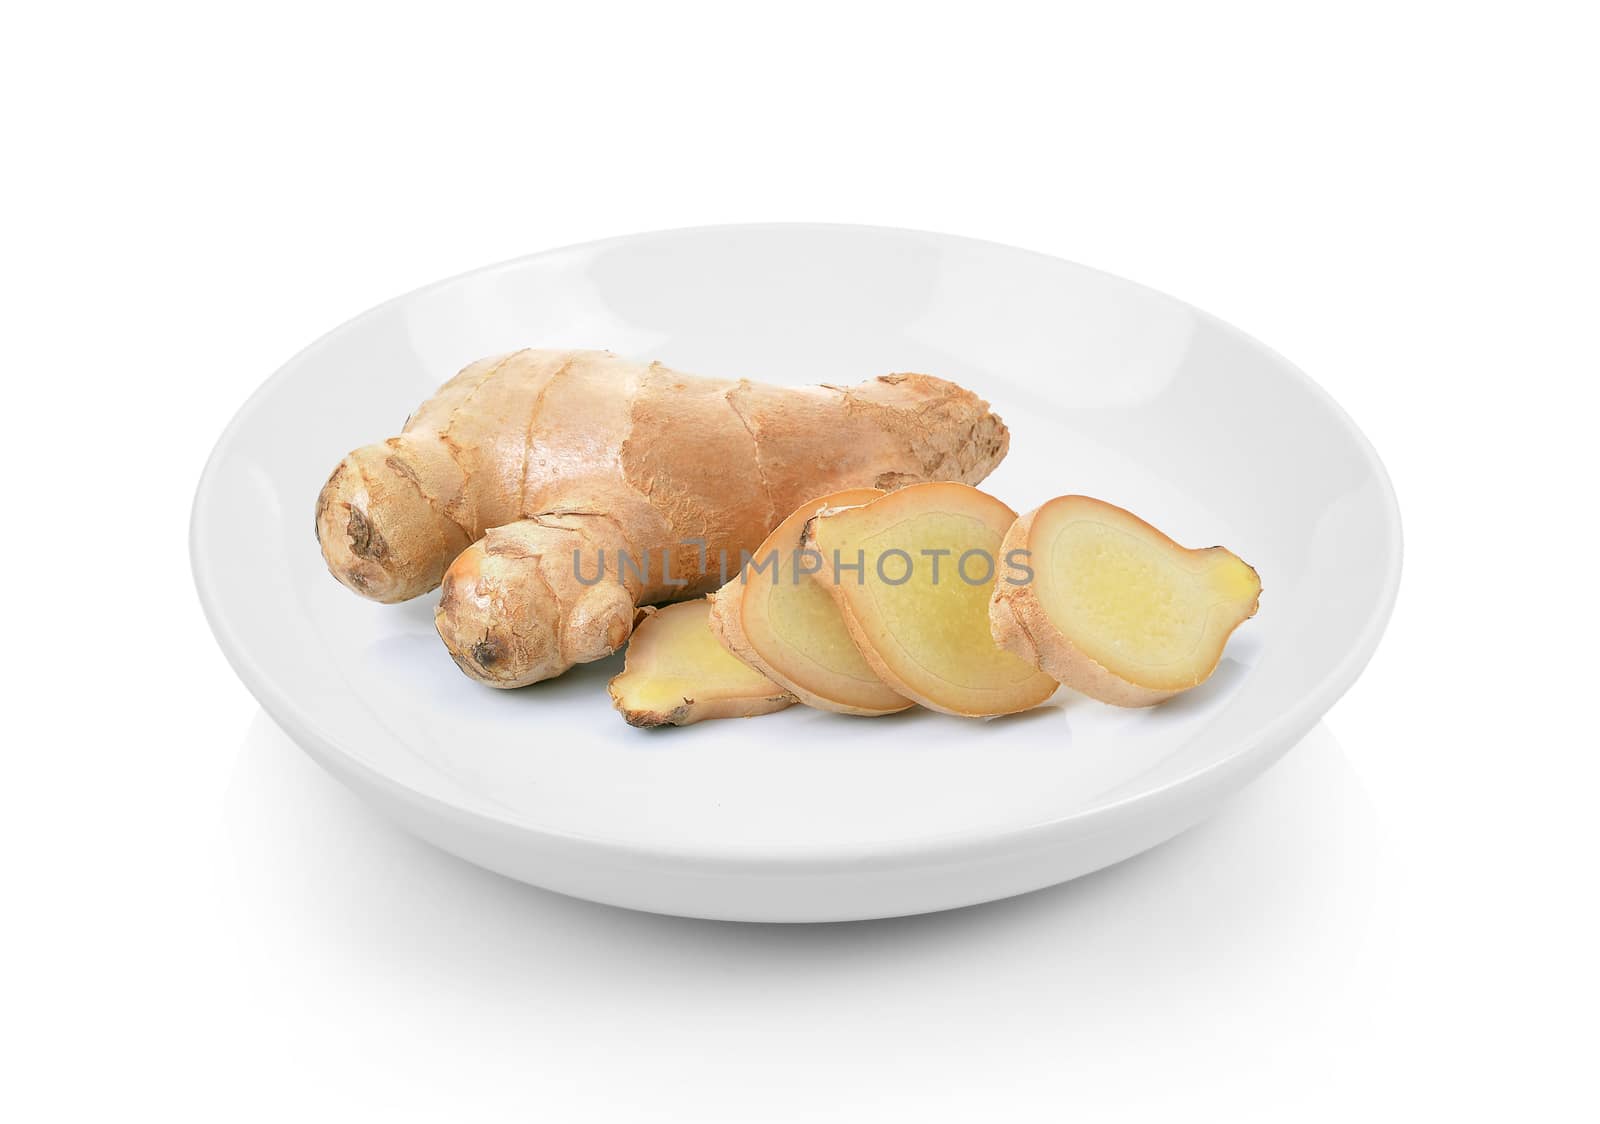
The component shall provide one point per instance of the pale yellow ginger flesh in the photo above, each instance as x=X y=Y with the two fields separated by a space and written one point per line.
x=676 y=673
x=509 y=487
x=927 y=636
x=783 y=624
x=1117 y=610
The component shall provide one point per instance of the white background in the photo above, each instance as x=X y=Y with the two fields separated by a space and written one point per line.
x=1396 y=923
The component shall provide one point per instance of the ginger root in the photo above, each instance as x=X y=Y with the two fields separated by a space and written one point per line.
x=526 y=471
x=911 y=573
x=786 y=626
x=1116 y=609
x=676 y=673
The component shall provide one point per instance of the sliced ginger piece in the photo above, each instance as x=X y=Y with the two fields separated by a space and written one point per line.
x=676 y=673
x=1116 y=609
x=783 y=624
x=919 y=614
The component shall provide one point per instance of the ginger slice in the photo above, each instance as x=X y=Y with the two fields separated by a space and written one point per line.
x=929 y=555
x=675 y=673
x=783 y=624
x=1116 y=609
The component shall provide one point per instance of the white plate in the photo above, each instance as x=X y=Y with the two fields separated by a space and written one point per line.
x=1109 y=389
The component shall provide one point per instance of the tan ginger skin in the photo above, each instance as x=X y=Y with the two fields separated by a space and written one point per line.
x=521 y=460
